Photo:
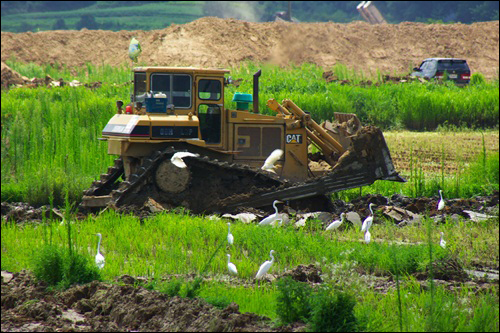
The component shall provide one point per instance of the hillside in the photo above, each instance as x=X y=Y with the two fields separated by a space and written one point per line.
x=214 y=42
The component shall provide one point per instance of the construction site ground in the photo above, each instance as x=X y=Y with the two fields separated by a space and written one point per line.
x=214 y=42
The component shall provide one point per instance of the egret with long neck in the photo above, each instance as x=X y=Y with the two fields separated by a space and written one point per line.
x=367 y=223
x=265 y=266
x=441 y=202
x=99 y=258
x=230 y=237
x=273 y=217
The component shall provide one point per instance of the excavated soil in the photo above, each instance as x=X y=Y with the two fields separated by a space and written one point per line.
x=102 y=307
x=215 y=42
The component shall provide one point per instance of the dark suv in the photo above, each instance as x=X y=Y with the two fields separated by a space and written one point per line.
x=456 y=69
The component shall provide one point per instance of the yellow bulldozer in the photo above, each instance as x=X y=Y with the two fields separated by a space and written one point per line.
x=183 y=110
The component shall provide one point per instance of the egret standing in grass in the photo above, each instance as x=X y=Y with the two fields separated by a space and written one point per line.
x=273 y=217
x=265 y=266
x=441 y=202
x=177 y=158
x=367 y=223
x=336 y=224
x=99 y=258
x=271 y=160
x=230 y=238
x=441 y=205
x=230 y=266
x=442 y=242
x=368 y=236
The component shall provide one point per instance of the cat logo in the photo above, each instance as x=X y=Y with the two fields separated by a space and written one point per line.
x=294 y=138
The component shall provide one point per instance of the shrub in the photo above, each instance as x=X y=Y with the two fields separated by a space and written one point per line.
x=477 y=78
x=79 y=269
x=57 y=268
x=293 y=300
x=324 y=310
x=48 y=265
x=332 y=312
x=172 y=288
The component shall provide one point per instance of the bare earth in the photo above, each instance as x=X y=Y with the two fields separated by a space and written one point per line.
x=214 y=42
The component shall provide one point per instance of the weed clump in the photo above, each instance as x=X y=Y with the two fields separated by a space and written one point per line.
x=293 y=300
x=60 y=269
x=48 y=265
x=333 y=312
x=172 y=288
x=323 y=309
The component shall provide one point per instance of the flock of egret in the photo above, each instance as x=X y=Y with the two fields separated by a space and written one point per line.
x=232 y=267
x=273 y=218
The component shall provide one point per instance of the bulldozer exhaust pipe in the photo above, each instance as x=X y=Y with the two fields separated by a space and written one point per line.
x=256 y=91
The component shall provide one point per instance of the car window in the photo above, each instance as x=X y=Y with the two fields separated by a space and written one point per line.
x=431 y=66
x=449 y=65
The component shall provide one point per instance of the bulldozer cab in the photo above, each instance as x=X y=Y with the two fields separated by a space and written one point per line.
x=186 y=91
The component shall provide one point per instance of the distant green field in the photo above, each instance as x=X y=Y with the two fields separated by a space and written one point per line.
x=144 y=17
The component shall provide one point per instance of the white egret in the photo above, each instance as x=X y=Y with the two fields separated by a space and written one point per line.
x=368 y=236
x=99 y=258
x=335 y=224
x=271 y=160
x=231 y=266
x=273 y=217
x=265 y=266
x=367 y=223
x=177 y=158
x=441 y=202
x=442 y=242
x=230 y=237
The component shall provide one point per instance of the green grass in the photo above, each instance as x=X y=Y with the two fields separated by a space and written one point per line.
x=144 y=17
x=49 y=135
x=165 y=240
x=177 y=243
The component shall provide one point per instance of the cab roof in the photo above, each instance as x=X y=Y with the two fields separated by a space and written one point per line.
x=188 y=70
x=445 y=59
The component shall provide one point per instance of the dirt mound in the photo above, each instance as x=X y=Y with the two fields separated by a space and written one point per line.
x=101 y=307
x=214 y=42
x=303 y=273
x=10 y=76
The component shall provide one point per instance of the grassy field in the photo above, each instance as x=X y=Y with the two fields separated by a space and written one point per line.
x=169 y=246
x=143 y=17
x=49 y=135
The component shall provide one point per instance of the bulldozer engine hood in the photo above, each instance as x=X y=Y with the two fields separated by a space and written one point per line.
x=152 y=127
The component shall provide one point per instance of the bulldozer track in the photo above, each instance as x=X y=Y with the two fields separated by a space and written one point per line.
x=215 y=186
x=140 y=185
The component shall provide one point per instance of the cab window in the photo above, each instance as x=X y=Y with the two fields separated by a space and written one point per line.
x=209 y=89
x=210 y=122
x=139 y=86
x=177 y=87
